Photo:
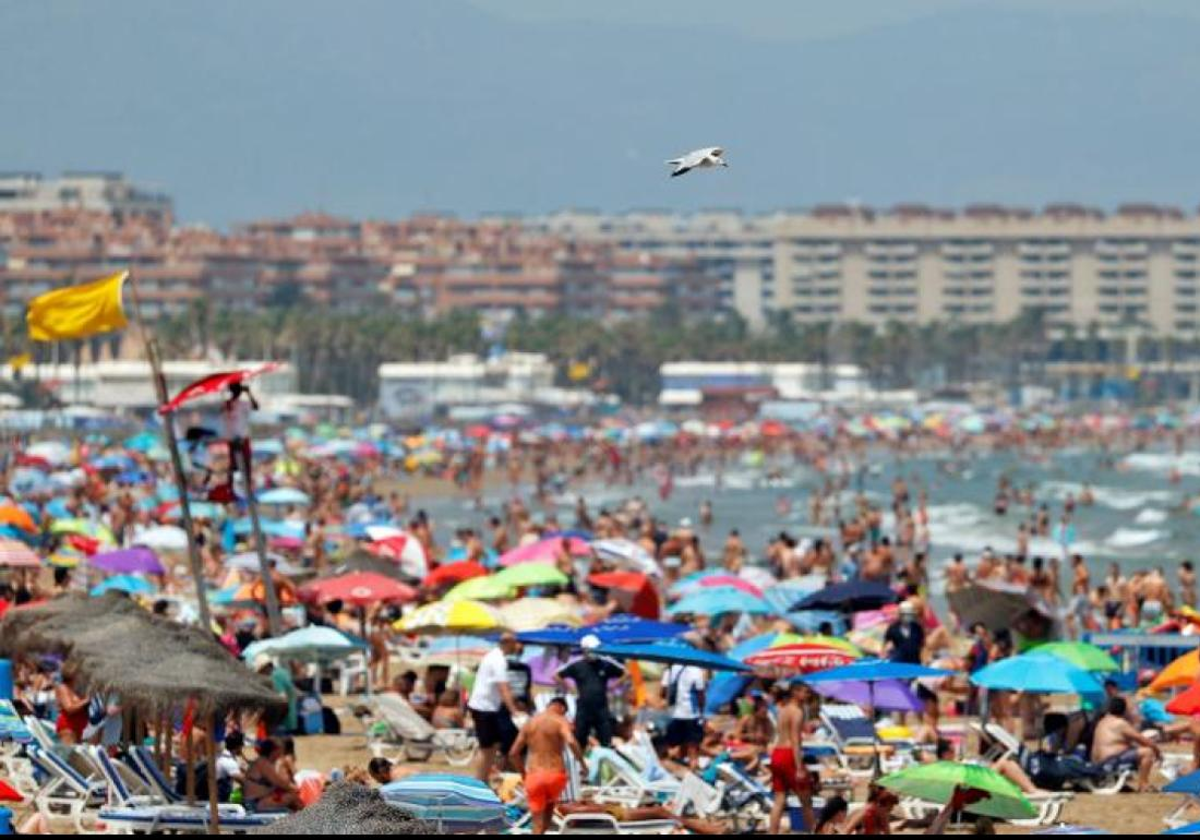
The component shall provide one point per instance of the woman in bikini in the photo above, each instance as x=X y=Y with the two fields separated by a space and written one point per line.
x=265 y=788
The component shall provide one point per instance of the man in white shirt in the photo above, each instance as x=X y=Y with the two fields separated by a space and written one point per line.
x=492 y=706
x=683 y=687
x=236 y=415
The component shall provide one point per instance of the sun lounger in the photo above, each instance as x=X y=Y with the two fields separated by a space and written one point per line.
x=138 y=805
x=67 y=794
x=615 y=778
x=412 y=737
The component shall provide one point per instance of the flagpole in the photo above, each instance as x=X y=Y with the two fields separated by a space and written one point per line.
x=168 y=426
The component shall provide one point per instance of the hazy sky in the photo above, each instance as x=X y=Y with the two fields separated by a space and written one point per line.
x=380 y=107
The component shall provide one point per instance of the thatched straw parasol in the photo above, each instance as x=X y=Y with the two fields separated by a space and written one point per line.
x=348 y=808
x=152 y=664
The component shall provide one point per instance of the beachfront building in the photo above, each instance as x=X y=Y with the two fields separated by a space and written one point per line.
x=419 y=391
x=1081 y=268
x=128 y=387
x=736 y=388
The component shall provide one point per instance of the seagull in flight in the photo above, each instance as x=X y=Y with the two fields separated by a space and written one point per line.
x=699 y=159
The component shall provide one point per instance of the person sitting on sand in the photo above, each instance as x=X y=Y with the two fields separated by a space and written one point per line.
x=265 y=789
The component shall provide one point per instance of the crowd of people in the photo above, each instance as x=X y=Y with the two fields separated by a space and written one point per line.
x=764 y=729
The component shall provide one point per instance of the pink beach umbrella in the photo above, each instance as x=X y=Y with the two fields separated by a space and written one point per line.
x=544 y=551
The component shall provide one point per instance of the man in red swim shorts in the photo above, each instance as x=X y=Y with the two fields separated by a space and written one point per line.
x=788 y=774
x=545 y=771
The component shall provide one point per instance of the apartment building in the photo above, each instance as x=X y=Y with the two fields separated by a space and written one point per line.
x=1080 y=267
x=107 y=192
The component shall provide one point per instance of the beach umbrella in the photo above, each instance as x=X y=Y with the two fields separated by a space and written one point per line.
x=247 y=561
x=124 y=583
x=872 y=672
x=306 y=644
x=450 y=617
x=1081 y=655
x=17 y=555
x=617 y=630
x=884 y=695
x=54 y=451
x=1180 y=672
x=720 y=601
x=164 y=538
x=453 y=573
x=84 y=528
x=802 y=658
x=1186 y=703
x=713 y=581
x=759 y=577
x=17 y=517
x=1188 y=785
x=673 y=652
x=214 y=384
x=358 y=589
x=1037 y=673
x=480 y=589
x=876 y=670
x=284 y=496
x=128 y=561
x=455 y=804
x=638 y=593
x=532 y=574
x=401 y=547
x=936 y=783
x=851 y=596
x=1190 y=828
x=536 y=613
x=626 y=554
x=545 y=551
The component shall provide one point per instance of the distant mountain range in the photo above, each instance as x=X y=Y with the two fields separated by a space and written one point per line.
x=378 y=108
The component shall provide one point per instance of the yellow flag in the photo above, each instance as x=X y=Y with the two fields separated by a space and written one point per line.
x=18 y=362
x=78 y=311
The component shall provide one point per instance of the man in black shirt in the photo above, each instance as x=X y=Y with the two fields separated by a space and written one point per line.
x=905 y=638
x=591 y=675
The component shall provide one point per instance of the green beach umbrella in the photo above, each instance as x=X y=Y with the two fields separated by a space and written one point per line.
x=531 y=574
x=1081 y=655
x=480 y=589
x=936 y=783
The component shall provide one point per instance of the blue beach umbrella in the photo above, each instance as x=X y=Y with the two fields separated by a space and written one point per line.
x=720 y=600
x=621 y=629
x=456 y=804
x=673 y=652
x=124 y=583
x=284 y=496
x=851 y=596
x=1037 y=673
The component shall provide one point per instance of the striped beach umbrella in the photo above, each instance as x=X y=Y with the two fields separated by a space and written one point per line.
x=17 y=555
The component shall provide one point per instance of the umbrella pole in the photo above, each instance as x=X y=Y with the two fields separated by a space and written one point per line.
x=168 y=737
x=189 y=758
x=214 y=816
x=875 y=731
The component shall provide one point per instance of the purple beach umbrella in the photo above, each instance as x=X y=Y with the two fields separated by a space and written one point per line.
x=127 y=561
x=889 y=695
